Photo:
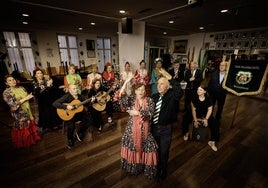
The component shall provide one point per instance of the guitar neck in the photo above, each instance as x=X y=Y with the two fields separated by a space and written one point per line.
x=84 y=102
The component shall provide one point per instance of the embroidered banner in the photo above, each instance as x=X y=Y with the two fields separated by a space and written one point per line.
x=246 y=77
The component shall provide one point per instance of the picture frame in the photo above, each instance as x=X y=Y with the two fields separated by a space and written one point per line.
x=231 y=45
x=90 y=44
x=254 y=44
x=91 y=54
x=246 y=45
x=180 y=46
x=263 y=44
x=218 y=45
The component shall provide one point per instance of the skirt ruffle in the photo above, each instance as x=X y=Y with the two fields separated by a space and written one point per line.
x=135 y=163
x=26 y=136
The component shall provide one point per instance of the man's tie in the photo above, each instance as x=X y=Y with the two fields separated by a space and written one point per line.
x=157 y=110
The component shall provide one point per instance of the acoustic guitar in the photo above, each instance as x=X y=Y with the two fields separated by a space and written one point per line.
x=66 y=115
x=102 y=99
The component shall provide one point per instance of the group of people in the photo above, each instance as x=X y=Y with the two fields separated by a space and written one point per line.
x=148 y=133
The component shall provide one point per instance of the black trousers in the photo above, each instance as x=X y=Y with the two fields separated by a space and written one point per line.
x=85 y=119
x=220 y=99
x=212 y=124
x=162 y=136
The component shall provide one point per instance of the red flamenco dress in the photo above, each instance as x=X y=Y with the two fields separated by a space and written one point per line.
x=24 y=133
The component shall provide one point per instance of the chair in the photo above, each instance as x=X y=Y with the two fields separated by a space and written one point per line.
x=62 y=70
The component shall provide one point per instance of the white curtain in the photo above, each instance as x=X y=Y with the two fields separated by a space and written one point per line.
x=28 y=59
x=62 y=41
x=24 y=39
x=14 y=58
x=64 y=55
x=10 y=39
x=74 y=57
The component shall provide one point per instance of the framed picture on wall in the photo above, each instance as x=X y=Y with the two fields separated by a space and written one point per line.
x=263 y=44
x=180 y=46
x=90 y=48
x=254 y=44
x=231 y=45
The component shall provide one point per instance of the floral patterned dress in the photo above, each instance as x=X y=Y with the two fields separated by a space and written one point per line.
x=24 y=132
x=139 y=149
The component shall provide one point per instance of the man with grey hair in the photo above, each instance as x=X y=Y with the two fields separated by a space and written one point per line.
x=166 y=101
x=193 y=77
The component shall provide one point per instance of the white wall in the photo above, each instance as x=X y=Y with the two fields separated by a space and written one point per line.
x=48 y=40
x=131 y=46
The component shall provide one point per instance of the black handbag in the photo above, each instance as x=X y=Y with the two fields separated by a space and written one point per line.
x=200 y=134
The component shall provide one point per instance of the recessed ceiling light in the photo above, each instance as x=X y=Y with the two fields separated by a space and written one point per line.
x=25 y=15
x=80 y=28
x=224 y=10
x=122 y=11
x=201 y=28
x=92 y=23
x=164 y=33
x=171 y=21
x=25 y=23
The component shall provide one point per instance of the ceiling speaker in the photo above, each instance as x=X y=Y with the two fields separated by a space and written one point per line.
x=127 y=25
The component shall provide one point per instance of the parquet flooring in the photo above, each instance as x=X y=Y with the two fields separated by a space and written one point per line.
x=241 y=161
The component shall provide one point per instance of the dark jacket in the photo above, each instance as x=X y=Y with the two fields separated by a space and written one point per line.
x=170 y=101
x=214 y=86
x=64 y=100
x=180 y=75
x=193 y=85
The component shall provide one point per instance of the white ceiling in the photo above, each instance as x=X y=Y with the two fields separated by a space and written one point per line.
x=69 y=15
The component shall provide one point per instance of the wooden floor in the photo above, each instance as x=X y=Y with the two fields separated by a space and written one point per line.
x=241 y=161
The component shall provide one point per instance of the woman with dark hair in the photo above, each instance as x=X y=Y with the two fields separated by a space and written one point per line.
x=24 y=132
x=156 y=74
x=141 y=74
x=127 y=73
x=111 y=82
x=97 y=91
x=139 y=149
x=202 y=114
x=43 y=91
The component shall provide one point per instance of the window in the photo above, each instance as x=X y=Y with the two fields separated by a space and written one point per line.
x=17 y=47
x=68 y=49
x=104 y=52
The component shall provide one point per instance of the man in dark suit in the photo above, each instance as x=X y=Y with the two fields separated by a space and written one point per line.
x=193 y=77
x=176 y=72
x=215 y=89
x=166 y=100
x=177 y=75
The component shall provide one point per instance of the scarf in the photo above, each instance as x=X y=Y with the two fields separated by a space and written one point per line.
x=20 y=93
x=138 y=125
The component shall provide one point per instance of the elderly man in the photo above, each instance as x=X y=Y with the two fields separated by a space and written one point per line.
x=69 y=104
x=193 y=77
x=215 y=89
x=166 y=101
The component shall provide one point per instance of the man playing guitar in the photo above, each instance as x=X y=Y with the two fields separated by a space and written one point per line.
x=83 y=117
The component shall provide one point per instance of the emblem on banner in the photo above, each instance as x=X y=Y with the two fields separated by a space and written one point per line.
x=243 y=77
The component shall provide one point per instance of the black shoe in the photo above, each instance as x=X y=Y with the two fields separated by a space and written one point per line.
x=161 y=175
x=70 y=144
x=79 y=137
